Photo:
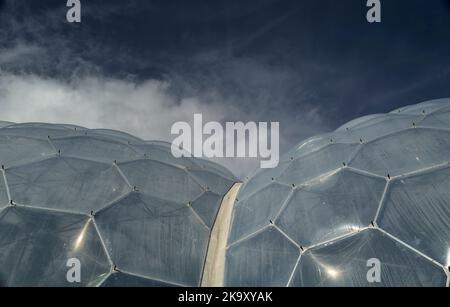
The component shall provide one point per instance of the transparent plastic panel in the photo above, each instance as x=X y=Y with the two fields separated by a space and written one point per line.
x=337 y=205
x=162 y=154
x=439 y=120
x=35 y=246
x=424 y=107
x=404 y=152
x=161 y=151
x=155 y=238
x=126 y=280
x=257 y=211
x=308 y=146
x=91 y=148
x=417 y=211
x=216 y=168
x=378 y=127
x=266 y=259
x=162 y=180
x=39 y=131
x=261 y=179
x=358 y=121
x=318 y=163
x=4 y=200
x=344 y=263
x=16 y=150
x=114 y=134
x=210 y=181
x=207 y=206
x=67 y=184
x=4 y=124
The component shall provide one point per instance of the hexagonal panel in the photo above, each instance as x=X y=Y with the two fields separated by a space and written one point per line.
x=265 y=259
x=119 y=279
x=334 y=206
x=417 y=211
x=257 y=211
x=35 y=246
x=161 y=180
x=95 y=149
x=66 y=184
x=16 y=150
x=345 y=263
x=155 y=238
x=318 y=163
x=404 y=152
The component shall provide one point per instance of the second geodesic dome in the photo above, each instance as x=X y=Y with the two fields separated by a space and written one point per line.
x=126 y=209
x=376 y=188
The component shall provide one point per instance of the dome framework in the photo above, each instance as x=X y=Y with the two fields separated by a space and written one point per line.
x=376 y=188
x=129 y=211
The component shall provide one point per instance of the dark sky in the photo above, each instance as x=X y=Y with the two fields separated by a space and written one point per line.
x=310 y=64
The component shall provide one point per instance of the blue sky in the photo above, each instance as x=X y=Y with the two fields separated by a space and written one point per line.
x=138 y=66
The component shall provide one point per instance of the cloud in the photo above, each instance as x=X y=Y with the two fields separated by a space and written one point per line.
x=52 y=72
x=146 y=109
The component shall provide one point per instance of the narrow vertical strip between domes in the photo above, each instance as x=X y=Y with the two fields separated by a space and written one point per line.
x=214 y=269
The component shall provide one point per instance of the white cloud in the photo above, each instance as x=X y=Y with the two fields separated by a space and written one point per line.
x=147 y=109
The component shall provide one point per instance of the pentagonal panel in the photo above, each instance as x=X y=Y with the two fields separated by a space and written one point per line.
x=331 y=207
x=258 y=210
x=417 y=211
x=155 y=238
x=66 y=183
x=95 y=149
x=16 y=150
x=207 y=206
x=162 y=180
x=36 y=245
x=350 y=262
x=265 y=259
x=404 y=152
x=318 y=163
x=119 y=279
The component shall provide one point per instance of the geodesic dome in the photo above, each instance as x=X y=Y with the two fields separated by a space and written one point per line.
x=130 y=212
x=376 y=188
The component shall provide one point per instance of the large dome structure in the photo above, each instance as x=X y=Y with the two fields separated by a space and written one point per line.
x=376 y=189
x=125 y=208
